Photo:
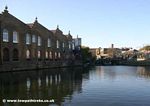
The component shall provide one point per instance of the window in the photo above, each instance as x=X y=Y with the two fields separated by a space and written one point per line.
x=5 y=54
x=73 y=47
x=28 y=54
x=50 y=55
x=59 y=55
x=63 y=45
x=5 y=35
x=69 y=45
x=28 y=39
x=55 y=55
x=15 y=37
x=49 y=42
x=33 y=39
x=39 y=41
x=15 y=55
x=39 y=54
x=46 y=55
x=57 y=44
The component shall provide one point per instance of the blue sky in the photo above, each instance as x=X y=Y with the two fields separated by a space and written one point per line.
x=125 y=23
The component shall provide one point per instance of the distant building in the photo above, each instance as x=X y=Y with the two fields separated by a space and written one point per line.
x=93 y=52
x=143 y=55
x=77 y=43
x=110 y=52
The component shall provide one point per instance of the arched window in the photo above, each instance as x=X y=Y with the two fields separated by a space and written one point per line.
x=50 y=55
x=5 y=35
x=33 y=39
x=15 y=37
x=28 y=54
x=39 y=54
x=39 y=41
x=28 y=39
x=55 y=55
x=57 y=44
x=5 y=54
x=49 y=42
x=15 y=55
x=59 y=55
x=46 y=54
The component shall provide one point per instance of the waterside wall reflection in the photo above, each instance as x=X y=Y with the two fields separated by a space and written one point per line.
x=97 y=86
x=57 y=84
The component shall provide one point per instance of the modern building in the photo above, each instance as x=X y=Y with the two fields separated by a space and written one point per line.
x=30 y=46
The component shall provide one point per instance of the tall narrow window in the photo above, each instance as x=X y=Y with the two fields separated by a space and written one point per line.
x=33 y=39
x=57 y=44
x=5 y=54
x=5 y=35
x=15 y=55
x=73 y=47
x=49 y=42
x=39 y=41
x=55 y=55
x=28 y=39
x=59 y=55
x=69 y=45
x=15 y=37
x=39 y=54
x=50 y=55
x=46 y=55
x=63 y=45
x=28 y=54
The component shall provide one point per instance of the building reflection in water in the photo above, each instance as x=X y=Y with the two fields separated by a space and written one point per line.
x=45 y=84
x=113 y=72
x=47 y=80
x=144 y=72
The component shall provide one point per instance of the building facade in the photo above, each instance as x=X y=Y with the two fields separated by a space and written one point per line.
x=29 y=46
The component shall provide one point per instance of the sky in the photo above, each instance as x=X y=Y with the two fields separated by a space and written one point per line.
x=100 y=23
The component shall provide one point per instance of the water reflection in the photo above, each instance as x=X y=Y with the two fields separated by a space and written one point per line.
x=54 y=84
x=28 y=84
x=113 y=72
x=101 y=85
x=144 y=72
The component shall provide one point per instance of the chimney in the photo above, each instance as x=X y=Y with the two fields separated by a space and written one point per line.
x=112 y=46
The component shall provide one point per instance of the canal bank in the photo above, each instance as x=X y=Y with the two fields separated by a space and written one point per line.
x=136 y=63
x=27 y=66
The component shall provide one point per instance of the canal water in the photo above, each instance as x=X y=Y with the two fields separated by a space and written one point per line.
x=96 y=86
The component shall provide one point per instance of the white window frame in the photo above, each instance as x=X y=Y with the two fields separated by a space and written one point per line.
x=49 y=42
x=46 y=54
x=33 y=38
x=28 y=54
x=39 y=54
x=39 y=41
x=50 y=55
x=15 y=37
x=5 y=35
x=57 y=44
x=28 y=39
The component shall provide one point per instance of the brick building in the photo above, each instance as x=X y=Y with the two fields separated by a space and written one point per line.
x=30 y=46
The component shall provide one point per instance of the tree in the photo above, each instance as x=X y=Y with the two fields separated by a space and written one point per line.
x=86 y=55
x=147 y=48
